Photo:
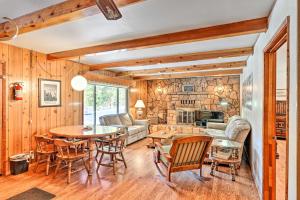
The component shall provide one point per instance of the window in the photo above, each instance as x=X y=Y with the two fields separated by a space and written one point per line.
x=102 y=100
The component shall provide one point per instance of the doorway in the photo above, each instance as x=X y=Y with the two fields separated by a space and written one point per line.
x=276 y=104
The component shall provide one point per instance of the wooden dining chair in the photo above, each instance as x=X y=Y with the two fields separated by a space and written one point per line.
x=44 y=148
x=185 y=153
x=99 y=142
x=113 y=147
x=69 y=152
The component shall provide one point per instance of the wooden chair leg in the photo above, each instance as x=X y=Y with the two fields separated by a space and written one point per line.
x=37 y=163
x=156 y=156
x=57 y=167
x=236 y=169
x=114 y=164
x=169 y=174
x=216 y=166
x=69 y=171
x=100 y=161
x=200 y=172
x=85 y=166
x=48 y=164
x=212 y=168
x=232 y=166
x=97 y=156
x=123 y=159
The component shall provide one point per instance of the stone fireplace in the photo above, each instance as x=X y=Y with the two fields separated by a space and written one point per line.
x=185 y=116
x=169 y=104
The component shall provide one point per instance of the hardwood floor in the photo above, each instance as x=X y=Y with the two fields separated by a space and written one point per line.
x=281 y=170
x=141 y=180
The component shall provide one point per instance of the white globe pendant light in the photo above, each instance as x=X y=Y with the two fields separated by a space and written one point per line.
x=78 y=83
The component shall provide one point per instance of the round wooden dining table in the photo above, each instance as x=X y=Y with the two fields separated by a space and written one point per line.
x=90 y=134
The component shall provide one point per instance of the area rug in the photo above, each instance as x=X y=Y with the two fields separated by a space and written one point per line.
x=33 y=194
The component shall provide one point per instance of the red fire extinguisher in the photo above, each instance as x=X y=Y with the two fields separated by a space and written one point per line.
x=18 y=90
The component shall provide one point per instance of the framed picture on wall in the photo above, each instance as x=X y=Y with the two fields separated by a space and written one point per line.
x=188 y=88
x=49 y=93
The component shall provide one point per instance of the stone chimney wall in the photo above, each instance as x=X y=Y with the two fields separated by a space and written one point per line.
x=166 y=96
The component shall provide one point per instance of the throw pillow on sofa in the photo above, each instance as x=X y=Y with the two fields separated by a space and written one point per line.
x=126 y=119
x=112 y=120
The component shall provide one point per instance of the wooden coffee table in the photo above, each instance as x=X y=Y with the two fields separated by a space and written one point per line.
x=158 y=136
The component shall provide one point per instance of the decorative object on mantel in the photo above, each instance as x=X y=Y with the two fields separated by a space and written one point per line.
x=139 y=105
x=49 y=93
x=247 y=92
x=15 y=33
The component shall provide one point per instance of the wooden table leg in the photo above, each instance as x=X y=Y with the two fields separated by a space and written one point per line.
x=90 y=160
x=151 y=145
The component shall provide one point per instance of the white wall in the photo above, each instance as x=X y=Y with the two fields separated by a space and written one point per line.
x=255 y=65
x=281 y=73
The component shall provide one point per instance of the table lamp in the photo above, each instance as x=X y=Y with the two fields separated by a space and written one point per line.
x=139 y=105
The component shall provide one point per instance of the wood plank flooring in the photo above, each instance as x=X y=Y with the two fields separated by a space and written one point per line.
x=140 y=181
x=281 y=170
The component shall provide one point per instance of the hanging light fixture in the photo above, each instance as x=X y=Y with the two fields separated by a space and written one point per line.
x=79 y=82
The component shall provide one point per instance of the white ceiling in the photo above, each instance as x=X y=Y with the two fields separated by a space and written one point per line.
x=146 y=18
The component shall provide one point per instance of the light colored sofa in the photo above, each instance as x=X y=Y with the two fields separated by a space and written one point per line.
x=237 y=129
x=137 y=129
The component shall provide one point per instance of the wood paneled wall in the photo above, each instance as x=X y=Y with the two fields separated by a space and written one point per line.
x=25 y=118
x=138 y=91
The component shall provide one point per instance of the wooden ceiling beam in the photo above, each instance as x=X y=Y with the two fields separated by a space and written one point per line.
x=56 y=14
x=200 y=34
x=177 y=58
x=227 y=65
x=92 y=76
x=192 y=74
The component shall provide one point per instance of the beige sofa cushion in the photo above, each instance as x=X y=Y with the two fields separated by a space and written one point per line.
x=218 y=134
x=136 y=129
x=235 y=127
x=126 y=119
